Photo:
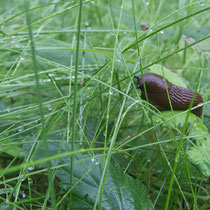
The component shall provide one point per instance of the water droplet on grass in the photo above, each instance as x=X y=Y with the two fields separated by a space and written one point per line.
x=95 y=161
x=30 y=181
x=31 y=168
x=86 y=23
x=51 y=74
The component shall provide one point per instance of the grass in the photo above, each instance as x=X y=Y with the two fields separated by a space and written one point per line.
x=74 y=130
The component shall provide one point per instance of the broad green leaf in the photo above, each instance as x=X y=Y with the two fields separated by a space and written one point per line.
x=179 y=117
x=120 y=190
x=199 y=155
x=170 y=76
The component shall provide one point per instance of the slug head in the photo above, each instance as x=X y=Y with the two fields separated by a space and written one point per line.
x=153 y=82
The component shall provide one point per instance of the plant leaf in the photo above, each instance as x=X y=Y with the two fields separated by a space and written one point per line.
x=199 y=155
x=170 y=76
x=13 y=151
x=120 y=190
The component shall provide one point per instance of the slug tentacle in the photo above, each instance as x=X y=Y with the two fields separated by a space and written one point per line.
x=157 y=95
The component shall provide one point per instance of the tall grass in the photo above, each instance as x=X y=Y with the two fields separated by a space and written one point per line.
x=74 y=130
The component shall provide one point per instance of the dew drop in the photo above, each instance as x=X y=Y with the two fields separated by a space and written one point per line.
x=30 y=181
x=21 y=58
x=86 y=23
x=31 y=168
x=202 y=4
x=95 y=161
x=51 y=74
x=162 y=32
x=20 y=129
x=111 y=92
x=49 y=108
x=147 y=3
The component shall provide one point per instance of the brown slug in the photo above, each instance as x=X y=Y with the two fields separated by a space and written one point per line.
x=157 y=95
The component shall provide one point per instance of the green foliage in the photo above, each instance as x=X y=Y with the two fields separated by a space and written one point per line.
x=119 y=187
x=198 y=154
x=59 y=89
x=170 y=76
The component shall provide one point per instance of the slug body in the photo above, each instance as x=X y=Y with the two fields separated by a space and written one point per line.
x=157 y=95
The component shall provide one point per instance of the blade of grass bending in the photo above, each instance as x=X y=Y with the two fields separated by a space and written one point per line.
x=75 y=95
x=39 y=98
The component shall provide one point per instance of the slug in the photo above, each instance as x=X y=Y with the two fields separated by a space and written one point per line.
x=156 y=91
